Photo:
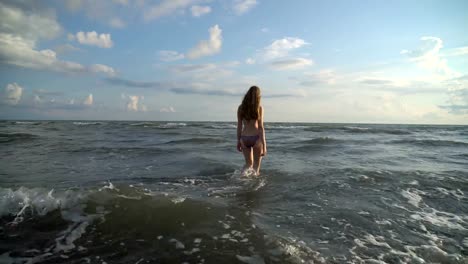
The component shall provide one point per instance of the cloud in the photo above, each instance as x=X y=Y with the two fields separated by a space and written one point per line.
x=428 y=56
x=280 y=48
x=61 y=49
x=21 y=52
x=206 y=91
x=290 y=64
x=198 y=11
x=121 y=2
x=40 y=92
x=20 y=31
x=28 y=25
x=460 y=51
x=457 y=91
x=89 y=100
x=106 y=12
x=181 y=68
x=243 y=6
x=94 y=39
x=208 y=47
x=379 y=82
x=170 y=55
x=169 y=109
x=134 y=103
x=43 y=100
x=250 y=61
x=136 y=84
x=318 y=78
x=117 y=23
x=100 y=68
x=167 y=8
x=13 y=93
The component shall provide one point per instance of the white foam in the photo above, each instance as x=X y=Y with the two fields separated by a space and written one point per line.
x=86 y=123
x=383 y=222
x=442 y=219
x=172 y=125
x=415 y=182
x=110 y=186
x=372 y=240
x=178 y=244
x=178 y=200
x=413 y=197
x=465 y=242
x=458 y=194
x=255 y=259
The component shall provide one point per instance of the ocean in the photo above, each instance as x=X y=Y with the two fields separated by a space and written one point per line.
x=172 y=192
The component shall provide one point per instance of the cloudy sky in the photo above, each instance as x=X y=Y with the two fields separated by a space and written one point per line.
x=315 y=61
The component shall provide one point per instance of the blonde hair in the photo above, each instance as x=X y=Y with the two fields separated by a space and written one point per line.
x=249 y=109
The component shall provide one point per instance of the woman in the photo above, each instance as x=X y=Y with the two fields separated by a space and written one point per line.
x=250 y=133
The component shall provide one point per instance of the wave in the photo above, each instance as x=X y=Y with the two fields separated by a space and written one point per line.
x=88 y=123
x=74 y=225
x=159 y=125
x=206 y=140
x=321 y=141
x=11 y=137
x=282 y=127
x=26 y=123
x=430 y=142
x=367 y=130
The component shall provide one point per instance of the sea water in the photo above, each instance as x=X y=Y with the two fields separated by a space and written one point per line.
x=173 y=192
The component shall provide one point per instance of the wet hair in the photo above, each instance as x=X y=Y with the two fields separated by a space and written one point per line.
x=249 y=109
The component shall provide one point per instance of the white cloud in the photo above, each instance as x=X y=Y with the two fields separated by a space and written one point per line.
x=428 y=56
x=265 y=30
x=166 y=8
x=169 y=109
x=20 y=31
x=134 y=103
x=281 y=48
x=170 y=55
x=117 y=23
x=318 y=78
x=250 y=61
x=94 y=39
x=31 y=26
x=88 y=101
x=198 y=11
x=242 y=6
x=208 y=47
x=100 y=68
x=13 y=93
x=66 y=48
x=21 y=52
x=121 y=2
x=291 y=64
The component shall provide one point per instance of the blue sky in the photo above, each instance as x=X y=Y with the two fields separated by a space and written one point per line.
x=315 y=61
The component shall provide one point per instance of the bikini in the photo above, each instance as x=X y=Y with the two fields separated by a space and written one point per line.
x=249 y=141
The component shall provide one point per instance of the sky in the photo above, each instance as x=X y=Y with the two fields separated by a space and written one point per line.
x=193 y=60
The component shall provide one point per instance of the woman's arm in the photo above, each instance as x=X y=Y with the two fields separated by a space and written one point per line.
x=262 y=131
x=239 y=129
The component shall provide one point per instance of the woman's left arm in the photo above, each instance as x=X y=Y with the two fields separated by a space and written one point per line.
x=239 y=130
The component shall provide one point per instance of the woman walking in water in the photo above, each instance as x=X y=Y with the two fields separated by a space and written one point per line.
x=250 y=132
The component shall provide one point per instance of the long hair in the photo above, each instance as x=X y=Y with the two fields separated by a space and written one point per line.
x=249 y=109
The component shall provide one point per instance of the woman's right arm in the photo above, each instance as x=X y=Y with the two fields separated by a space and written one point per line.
x=239 y=130
x=262 y=132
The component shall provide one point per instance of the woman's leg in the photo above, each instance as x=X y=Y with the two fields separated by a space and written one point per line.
x=248 y=156
x=257 y=156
